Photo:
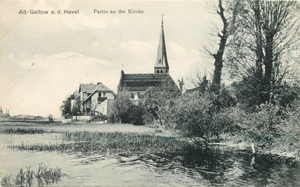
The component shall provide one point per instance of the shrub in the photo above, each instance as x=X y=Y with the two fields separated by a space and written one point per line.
x=138 y=112
x=193 y=115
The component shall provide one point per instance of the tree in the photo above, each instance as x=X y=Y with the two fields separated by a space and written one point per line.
x=121 y=108
x=126 y=112
x=76 y=107
x=227 y=29
x=50 y=117
x=65 y=108
x=265 y=45
x=159 y=101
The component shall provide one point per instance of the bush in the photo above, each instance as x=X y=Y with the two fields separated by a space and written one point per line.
x=193 y=115
x=137 y=114
x=126 y=112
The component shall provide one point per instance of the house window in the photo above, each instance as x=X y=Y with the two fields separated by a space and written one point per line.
x=161 y=71
x=104 y=94
x=132 y=96
x=157 y=71
x=99 y=94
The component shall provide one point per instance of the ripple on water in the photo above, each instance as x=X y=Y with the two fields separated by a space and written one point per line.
x=200 y=167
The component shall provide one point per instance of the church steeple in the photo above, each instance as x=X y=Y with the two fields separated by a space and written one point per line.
x=161 y=64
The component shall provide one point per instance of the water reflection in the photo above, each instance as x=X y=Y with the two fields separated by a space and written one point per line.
x=235 y=168
x=192 y=165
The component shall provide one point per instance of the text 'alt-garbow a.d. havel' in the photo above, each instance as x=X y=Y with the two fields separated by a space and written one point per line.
x=137 y=84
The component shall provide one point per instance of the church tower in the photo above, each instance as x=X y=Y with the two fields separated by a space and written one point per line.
x=161 y=64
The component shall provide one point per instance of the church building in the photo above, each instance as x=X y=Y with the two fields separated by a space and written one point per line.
x=137 y=84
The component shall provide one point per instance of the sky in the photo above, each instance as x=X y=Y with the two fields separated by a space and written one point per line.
x=44 y=58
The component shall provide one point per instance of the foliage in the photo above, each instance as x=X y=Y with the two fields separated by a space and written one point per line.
x=248 y=93
x=193 y=115
x=159 y=102
x=121 y=107
x=76 y=107
x=267 y=122
x=125 y=111
x=50 y=117
x=138 y=113
x=66 y=108
x=262 y=51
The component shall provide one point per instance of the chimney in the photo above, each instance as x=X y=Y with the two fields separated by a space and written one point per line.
x=99 y=83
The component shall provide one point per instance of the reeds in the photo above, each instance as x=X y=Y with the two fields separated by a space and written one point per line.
x=110 y=143
x=6 y=181
x=44 y=175
x=22 y=131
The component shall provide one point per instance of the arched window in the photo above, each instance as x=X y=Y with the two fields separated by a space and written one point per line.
x=157 y=71
x=161 y=71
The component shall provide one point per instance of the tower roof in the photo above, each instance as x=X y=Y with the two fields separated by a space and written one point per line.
x=162 y=60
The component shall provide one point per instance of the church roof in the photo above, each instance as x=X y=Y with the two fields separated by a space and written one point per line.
x=140 y=82
x=162 y=60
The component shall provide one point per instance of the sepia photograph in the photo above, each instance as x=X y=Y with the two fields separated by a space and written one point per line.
x=149 y=93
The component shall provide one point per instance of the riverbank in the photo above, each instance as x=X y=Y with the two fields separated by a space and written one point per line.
x=137 y=156
x=285 y=148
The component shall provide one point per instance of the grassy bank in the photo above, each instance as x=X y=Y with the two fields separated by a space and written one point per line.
x=89 y=127
x=126 y=139
x=109 y=143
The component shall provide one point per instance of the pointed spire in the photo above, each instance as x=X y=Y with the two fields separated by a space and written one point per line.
x=161 y=64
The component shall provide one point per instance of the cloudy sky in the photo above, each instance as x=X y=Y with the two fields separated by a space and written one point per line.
x=44 y=58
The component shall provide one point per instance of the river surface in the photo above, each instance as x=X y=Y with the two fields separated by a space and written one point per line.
x=191 y=167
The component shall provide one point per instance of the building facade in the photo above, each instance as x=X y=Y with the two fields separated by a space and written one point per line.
x=94 y=97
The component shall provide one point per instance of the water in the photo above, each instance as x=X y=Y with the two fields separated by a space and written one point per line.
x=190 y=167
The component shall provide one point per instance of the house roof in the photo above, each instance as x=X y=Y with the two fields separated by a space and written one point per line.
x=100 y=88
x=88 y=88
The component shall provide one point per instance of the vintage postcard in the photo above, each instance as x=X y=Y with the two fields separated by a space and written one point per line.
x=149 y=93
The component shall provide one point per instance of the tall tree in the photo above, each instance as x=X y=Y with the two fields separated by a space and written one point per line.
x=228 y=27
x=260 y=49
x=219 y=55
